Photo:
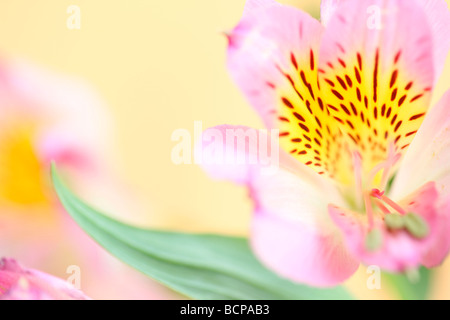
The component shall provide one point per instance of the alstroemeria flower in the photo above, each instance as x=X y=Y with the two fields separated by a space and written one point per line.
x=17 y=283
x=349 y=99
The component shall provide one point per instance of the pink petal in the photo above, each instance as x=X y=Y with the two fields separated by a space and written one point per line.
x=253 y=5
x=441 y=247
x=17 y=283
x=301 y=253
x=262 y=44
x=291 y=231
x=438 y=15
x=399 y=250
x=428 y=157
x=377 y=66
x=327 y=9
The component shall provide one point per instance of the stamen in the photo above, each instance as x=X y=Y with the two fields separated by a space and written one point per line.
x=382 y=206
x=386 y=166
x=357 y=168
x=369 y=210
x=380 y=195
x=390 y=163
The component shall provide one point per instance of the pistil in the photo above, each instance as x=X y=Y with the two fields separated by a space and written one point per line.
x=381 y=196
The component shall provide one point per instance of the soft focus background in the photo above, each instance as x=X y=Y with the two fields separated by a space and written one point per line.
x=160 y=66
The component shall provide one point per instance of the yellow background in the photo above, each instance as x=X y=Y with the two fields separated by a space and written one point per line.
x=160 y=66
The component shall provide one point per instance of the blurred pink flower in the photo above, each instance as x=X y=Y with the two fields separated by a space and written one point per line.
x=17 y=283
x=45 y=117
x=347 y=99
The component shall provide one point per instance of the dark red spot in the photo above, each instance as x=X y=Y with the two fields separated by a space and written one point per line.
x=408 y=86
x=358 y=94
x=340 y=47
x=333 y=107
x=341 y=82
x=311 y=59
x=287 y=103
x=345 y=109
x=405 y=146
x=294 y=61
x=320 y=103
x=397 y=56
x=357 y=75
x=271 y=85
x=383 y=110
x=417 y=116
x=302 y=152
x=317 y=141
x=339 y=120
x=283 y=119
x=375 y=76
x=318 y=133
x=398 y=125
x=284 y=134
x=298 y=116
x=318 y=122
x=394 y=94
x=393 y=78
x=289 y=78
x=411 y=133
x=342 y=63
x=296 y=140
x=337 y=94
x=311 y=92
x=349 y=81
x=303 y=127
x=355 y=112
x=388 y=114
x=308 y=106
x=401 y=101
x=358 y=55
x=353 y=138
x=350 y=125
x=331 y=83
x=417 y=97
x=393 y=120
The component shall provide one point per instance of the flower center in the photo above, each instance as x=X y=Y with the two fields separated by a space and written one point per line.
x=21 y=175
x=376 y=202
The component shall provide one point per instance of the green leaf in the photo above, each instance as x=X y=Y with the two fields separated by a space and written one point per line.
x=412 y=286
x=198 y=266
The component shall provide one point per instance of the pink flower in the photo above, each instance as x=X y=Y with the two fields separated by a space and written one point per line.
x=46 y=116
x=357 y=180
x=17 y=283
